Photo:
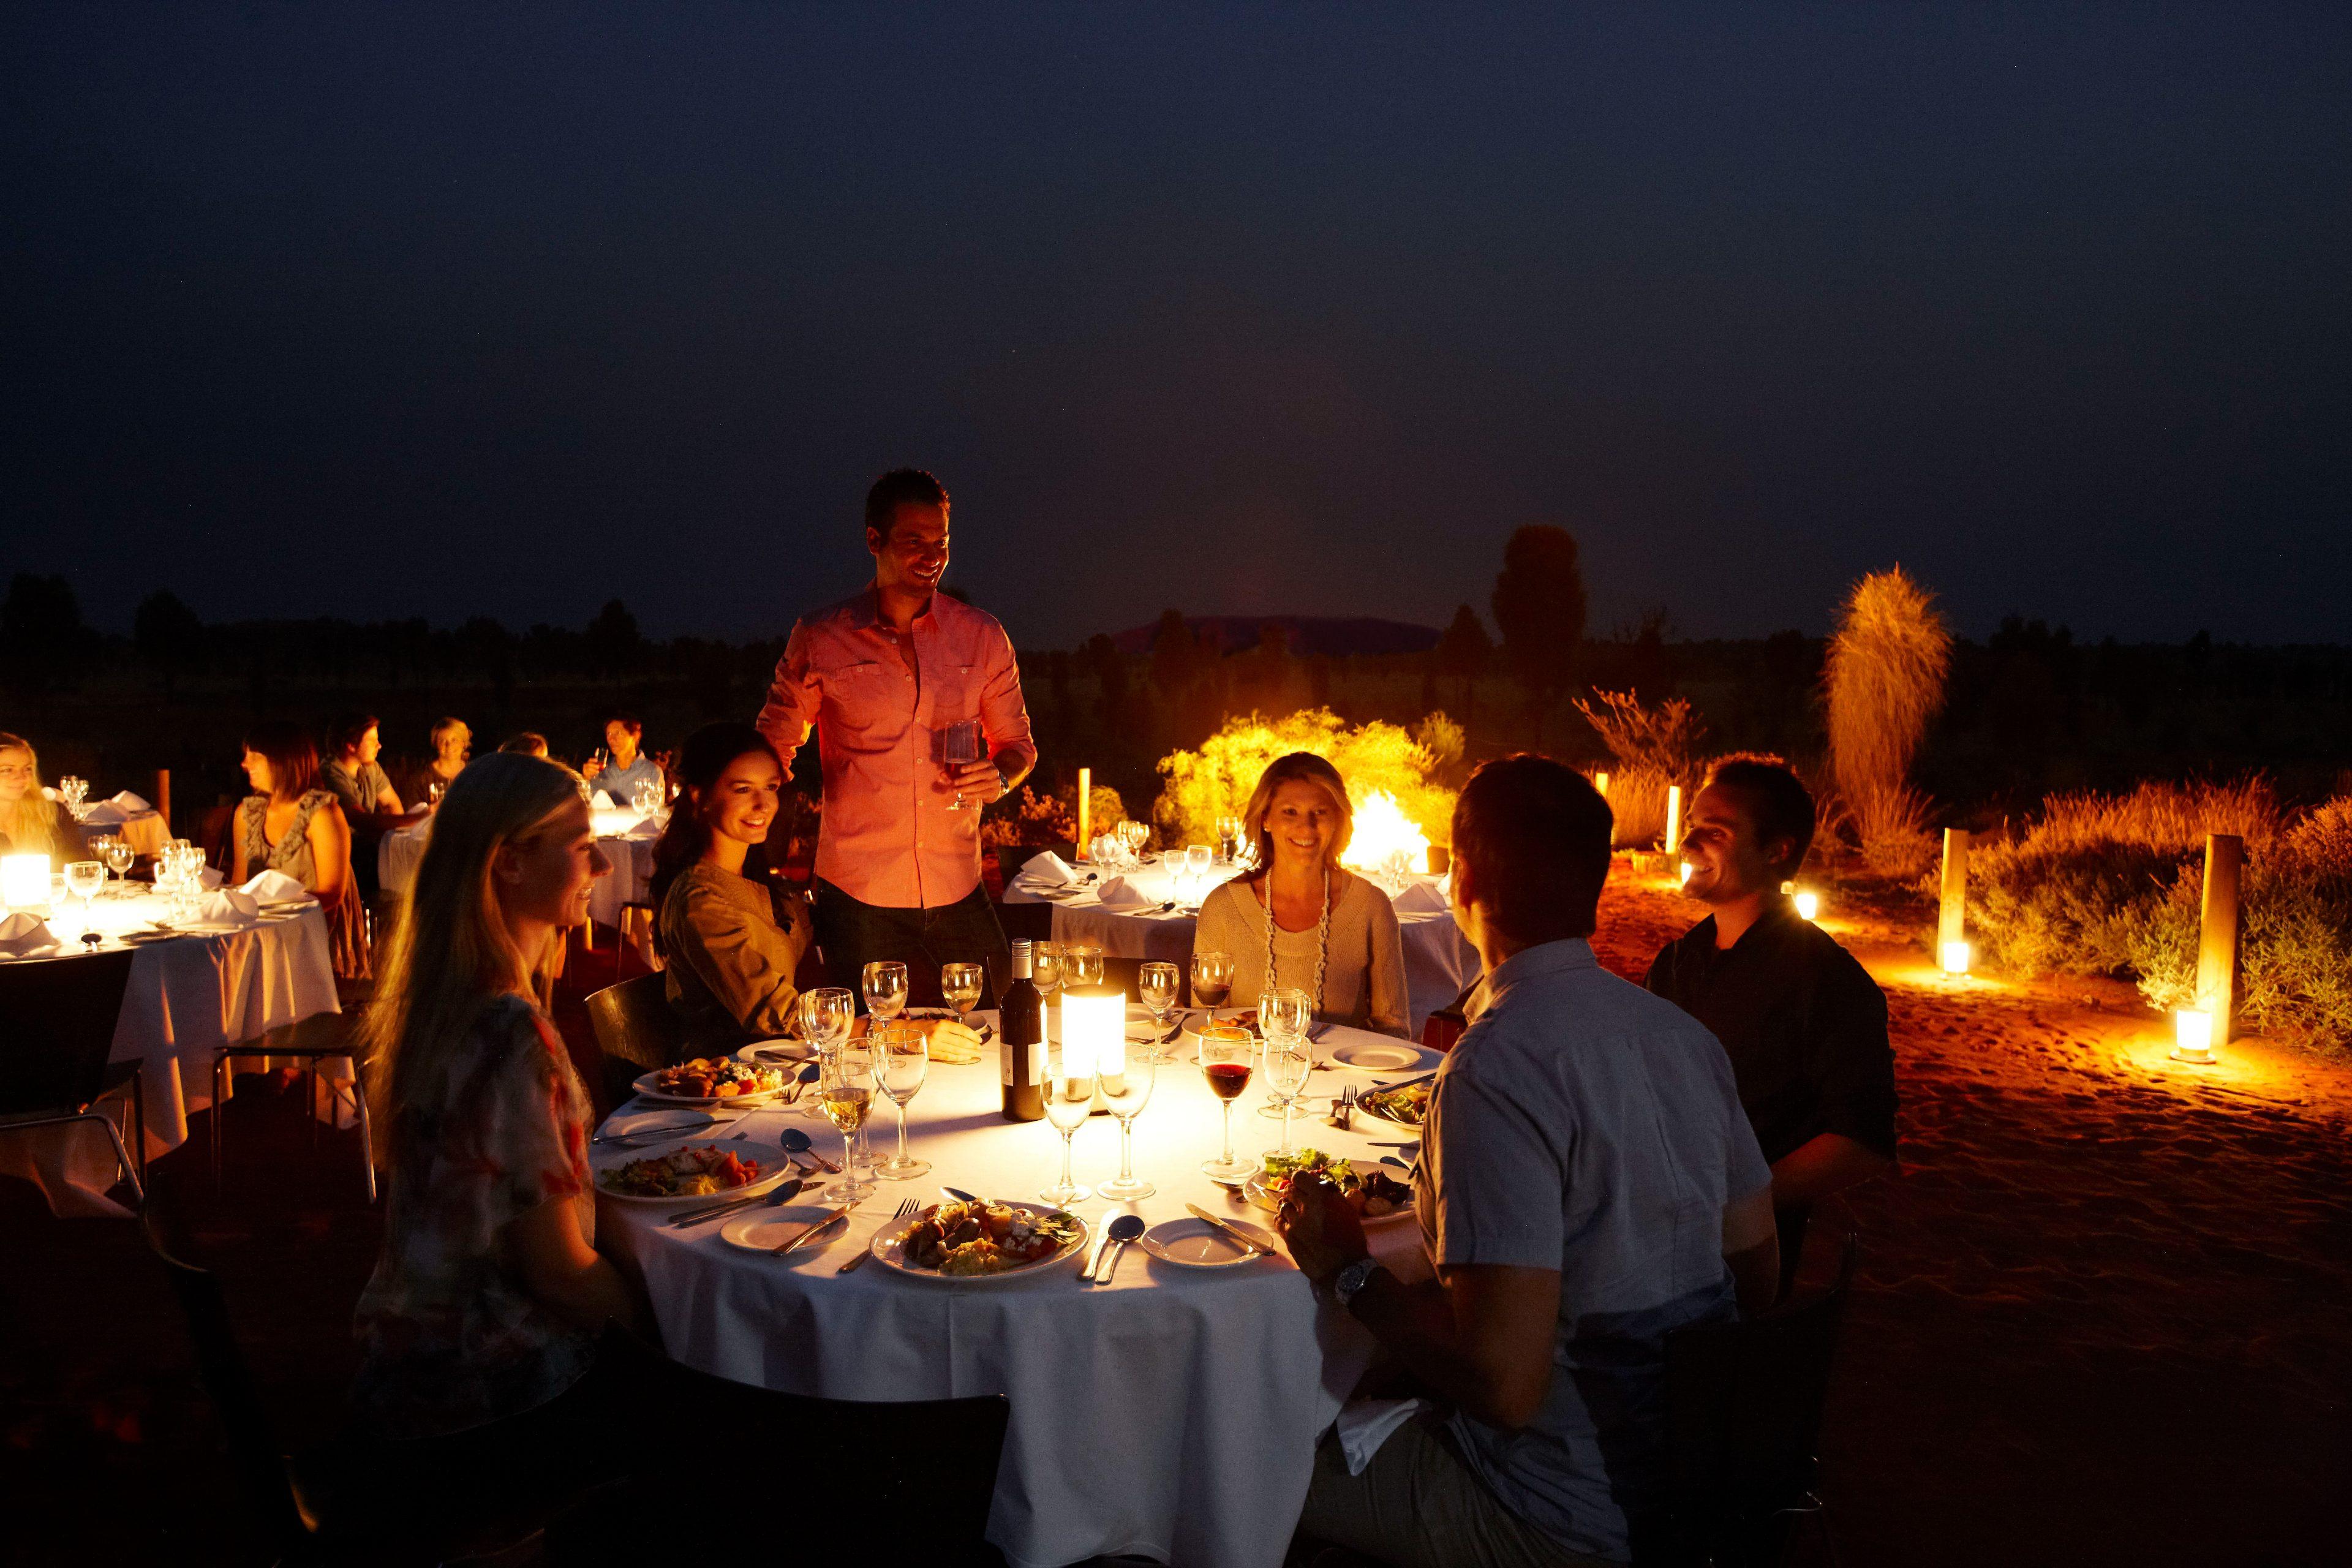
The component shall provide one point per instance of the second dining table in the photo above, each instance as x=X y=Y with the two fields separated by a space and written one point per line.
x=1171 y=1412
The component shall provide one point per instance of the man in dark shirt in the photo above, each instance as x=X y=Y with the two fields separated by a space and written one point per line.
x=1803 y=1023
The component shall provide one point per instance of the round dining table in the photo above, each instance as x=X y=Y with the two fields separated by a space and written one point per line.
x=188 y=994
x=1170 y=1413
x=626 y=837
x=1149 y=912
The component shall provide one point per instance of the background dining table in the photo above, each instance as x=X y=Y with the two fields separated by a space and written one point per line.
x=1149 y=913
x=187 y=997
x=626 y=837
x=1171 y=1412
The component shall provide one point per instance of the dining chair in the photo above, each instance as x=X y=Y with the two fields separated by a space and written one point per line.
x=1744 y=1405
x=636 y=1031
x=59 y=1033
x=316 y=1040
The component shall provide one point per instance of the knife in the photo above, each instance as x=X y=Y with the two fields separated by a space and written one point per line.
x=1094 y=1258
x=1257 y=1248
x=827 y=1223
x=958 y=1195
x=781 y=1196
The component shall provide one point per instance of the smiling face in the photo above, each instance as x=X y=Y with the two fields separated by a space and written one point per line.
x=545 y=875
x=455 y=747
x=1727 y=859
x=257 y=772
x=740 y=803
x=1303 y=821
x=915 y=556
x=16 y=774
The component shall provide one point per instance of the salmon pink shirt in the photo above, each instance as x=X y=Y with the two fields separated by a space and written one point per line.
x=880 y=707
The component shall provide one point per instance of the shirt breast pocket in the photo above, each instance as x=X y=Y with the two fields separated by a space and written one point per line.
x=855 y=696
x=960 y=688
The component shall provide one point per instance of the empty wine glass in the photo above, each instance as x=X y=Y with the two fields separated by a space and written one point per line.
x=1213 y=979
x=84 y=879
x=824 y=1017
x=1283 y=1015
x=1289 y=1060
x=1198 y=858
x=1155 y=986
x=1126 y=1093
x=846 y=1093
x=1046 y=967
x=1082 y=964
x=960 y=745
x=1225 y=1052
x=72 y=792
x=1134 y=833
x=1069 y=1099
x=1229 y=839
x=902 y=1060
x=961 y=985
x=885 y=989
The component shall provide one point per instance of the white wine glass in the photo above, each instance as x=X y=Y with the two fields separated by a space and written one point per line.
x=1283 y=1015
x=1156 y=986
x=961 y=985
x=885 y=989
x=1082 y=964
x=119 y=856
x=1213 y=981
x=1198 y=858
x=84 y=879
x=1045 y=968
x=1288 y=1063
x=824 y=1017
x=845 y=1091
x=1069 y=1099
x=1124 y=1093
x=902 y=1060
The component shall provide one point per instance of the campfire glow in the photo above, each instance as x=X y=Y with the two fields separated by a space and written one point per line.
x=1383 y=833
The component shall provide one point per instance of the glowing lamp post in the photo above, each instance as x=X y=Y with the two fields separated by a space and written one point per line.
x=1809 y=905
x=1085 y=793
x=1955 y=955
x=24 y=880
x=1601 y=783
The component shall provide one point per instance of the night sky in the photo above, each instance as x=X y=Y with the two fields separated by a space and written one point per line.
x=498 y=310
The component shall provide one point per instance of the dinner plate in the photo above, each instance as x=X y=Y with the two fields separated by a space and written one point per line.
x=1380 y=1056
x=646 y=1090
x=768 y=1053
x=1265 y=1200
x=890 y=1252
x=139 y=938
x=765 y=1229
x=1415 y=1128
x=774 y=1166
x=1189 y=1243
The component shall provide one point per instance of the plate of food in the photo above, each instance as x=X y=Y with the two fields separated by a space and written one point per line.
x=711 y=1080
x=980 y=1240
x=728 y=1170
x=1404 y=1105
x=1378 y=1195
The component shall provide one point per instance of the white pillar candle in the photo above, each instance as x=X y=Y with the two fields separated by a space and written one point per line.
x=24 y=880
x=1955 y=958
x=1094 y=1029
x=1086 y=790
x=2192 y=1034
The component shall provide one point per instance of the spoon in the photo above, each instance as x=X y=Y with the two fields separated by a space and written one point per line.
x=797 y=1142
x=1121 y=1231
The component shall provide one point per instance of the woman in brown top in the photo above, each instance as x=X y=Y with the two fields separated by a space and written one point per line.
x=731 y=959
x=289 y=824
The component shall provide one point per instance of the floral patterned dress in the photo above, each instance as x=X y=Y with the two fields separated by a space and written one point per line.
x=451 y=1335
x=347 y=915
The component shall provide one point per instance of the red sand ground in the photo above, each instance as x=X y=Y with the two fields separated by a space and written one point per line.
x=2101 y=1315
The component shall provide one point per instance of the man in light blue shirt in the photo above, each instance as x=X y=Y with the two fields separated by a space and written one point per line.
x=1589 y=1185
x=629 y=766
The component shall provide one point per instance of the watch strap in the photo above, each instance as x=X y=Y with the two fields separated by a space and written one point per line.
x=1352 y=1280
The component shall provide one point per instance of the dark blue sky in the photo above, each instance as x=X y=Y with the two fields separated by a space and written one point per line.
x=388 y=310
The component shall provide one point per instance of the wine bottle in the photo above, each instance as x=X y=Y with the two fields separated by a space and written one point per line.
x=1021 y=1042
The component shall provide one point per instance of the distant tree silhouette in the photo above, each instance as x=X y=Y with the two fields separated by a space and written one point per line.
x=1539 y=606
x=615 y=646
x=168 y=635
x=1103 y=661
x=1176 y=655
x=41 y=634
x=1466 y=651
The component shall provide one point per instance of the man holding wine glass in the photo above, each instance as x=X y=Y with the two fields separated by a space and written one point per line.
x=915 y=699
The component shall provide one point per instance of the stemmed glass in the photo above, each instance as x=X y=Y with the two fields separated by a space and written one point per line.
x=85 y=878
x=1282 y=1019
x=121 y=855
x=1198 y=858
x=72 y=792
x=960 y=745
x=1134 y=835
x=1082 y=964
x=1126 y=1093
x=845 y=1091
x=1213 y=979
x=1225 y=1051
x=1045 y=968
x=885 y=989
x=1155 y=985
x=1229 y=839
x=901 y=1062
x=825 y=1016
x=961 y=985
x=1069 y=1099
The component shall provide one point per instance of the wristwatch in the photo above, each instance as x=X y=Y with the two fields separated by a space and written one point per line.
x=1350 y=1279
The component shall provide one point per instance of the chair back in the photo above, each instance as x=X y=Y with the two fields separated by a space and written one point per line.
x=56 y=1028
x=228 y=1379
x=1743 y=1413
x=1442 y=1029
x=1026 y=923
x=636 y=1030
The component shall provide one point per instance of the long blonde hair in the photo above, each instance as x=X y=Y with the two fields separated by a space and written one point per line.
x=36 y=813
x=1298 y=767
x=451 y=953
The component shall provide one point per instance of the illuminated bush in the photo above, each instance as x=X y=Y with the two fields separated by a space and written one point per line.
x=1650 y=749
x=1216 y=779
x=1884 y=679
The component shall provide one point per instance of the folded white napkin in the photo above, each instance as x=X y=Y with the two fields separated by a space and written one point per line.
x=103 y=814
x=275 y=887
x=131 y=804
x=600 y=801
x=228 y=906
x=1119 y=893
x=645 y=827
x=1048 y=868
x=21 y=933
x=1367 y=1424
x=1421 y=898
x=212 y=879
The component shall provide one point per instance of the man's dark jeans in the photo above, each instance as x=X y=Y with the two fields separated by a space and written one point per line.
x=853 y=935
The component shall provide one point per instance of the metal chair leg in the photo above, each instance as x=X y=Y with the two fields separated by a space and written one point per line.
x=139 y=1121
x=367 y=1134
x=220 y=1109
x=122 y=1157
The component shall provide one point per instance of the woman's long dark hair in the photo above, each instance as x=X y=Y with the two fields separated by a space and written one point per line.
x=701 y=761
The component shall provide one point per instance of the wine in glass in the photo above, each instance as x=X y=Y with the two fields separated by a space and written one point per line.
x=1082 y=964
x=1124 y=1093
x=902 y=1060
x=824 y=1017
x=1226 y=1052
x=1069 y=1099
x=1045 y=968
x=1213 y=979
x=960 y=745
x=1155 y=986
x=121 y=855
x=885 y=989
x=84 y=879
x=846 y=1092
x=961 y=985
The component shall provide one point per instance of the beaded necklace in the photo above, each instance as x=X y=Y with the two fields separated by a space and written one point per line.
x=1322 y=938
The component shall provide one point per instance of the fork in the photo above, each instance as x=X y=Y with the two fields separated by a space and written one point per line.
x=905 y=1211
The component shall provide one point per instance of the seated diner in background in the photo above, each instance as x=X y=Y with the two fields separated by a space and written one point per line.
x=290 y=825
x=488 y=1293
x=362 y=786
x=730 y=959
x=1803 y=1023
x=1301 y=920
x=1587 y=1185
x=30 y=822
x=622 y=768
x=453 y=743
x=526 y=743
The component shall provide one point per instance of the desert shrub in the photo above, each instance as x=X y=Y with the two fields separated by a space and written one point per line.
x=1216 y=779
x=1885 y=681
x=1650 y=748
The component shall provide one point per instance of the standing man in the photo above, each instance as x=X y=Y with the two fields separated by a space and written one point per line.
x=889 y=681
x=1803 y=1023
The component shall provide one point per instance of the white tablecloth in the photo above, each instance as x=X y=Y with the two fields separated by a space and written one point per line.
x=144 y=831
x=626 y=838
x=185 y=998
x=1171 y=1414
x=1439 y=961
